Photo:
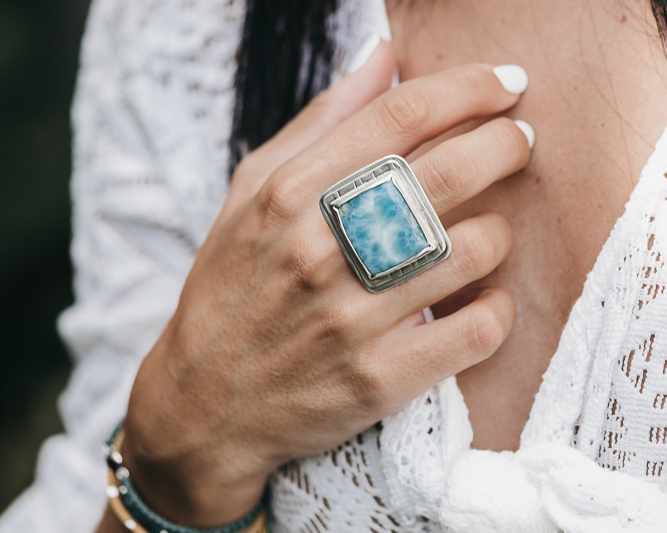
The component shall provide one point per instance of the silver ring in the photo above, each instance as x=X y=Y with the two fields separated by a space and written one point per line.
x=385 y=224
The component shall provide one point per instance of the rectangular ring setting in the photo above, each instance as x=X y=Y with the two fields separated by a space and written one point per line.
x=385 y=224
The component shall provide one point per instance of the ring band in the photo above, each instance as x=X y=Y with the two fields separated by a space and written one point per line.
x=385 y=224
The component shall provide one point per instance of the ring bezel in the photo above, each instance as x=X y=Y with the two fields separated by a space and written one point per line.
x=396 y=169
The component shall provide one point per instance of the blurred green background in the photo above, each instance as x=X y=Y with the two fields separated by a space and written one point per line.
x=39 y=46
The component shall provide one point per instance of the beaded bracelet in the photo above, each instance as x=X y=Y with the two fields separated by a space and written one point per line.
x=137 y=517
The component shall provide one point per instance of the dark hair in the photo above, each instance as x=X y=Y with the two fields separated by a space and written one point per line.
x=659 y=8
x=284 y=61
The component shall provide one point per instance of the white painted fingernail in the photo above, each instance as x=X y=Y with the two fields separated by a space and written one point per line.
x=527 y=130
x=513 y=77
x=364 y=53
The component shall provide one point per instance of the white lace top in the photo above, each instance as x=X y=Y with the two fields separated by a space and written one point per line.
x=152 y=118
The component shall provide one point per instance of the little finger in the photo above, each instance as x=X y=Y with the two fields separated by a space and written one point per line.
x=416 y=360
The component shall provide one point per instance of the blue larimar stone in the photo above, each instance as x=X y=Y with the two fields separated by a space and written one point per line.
x=382 y=228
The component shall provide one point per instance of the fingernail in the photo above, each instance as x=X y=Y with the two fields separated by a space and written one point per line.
x=527 y=130
x=513 y=78
x=364 y=53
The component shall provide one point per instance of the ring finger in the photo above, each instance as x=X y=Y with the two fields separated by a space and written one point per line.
x=479 y=245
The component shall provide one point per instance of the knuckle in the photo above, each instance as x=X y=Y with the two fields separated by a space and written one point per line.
x=342 y=319
x=473 y=79
x=443 y=178
x=307 y=265
x=274 y=201
x=403 y=111
x=302 y=269
x=477 y=250
x=365 y=382
x=486 y=331
x=515 y=142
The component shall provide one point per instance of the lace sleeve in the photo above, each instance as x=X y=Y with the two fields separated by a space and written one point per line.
x=151 y=118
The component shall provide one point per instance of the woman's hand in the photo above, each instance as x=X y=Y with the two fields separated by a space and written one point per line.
x=276 y=350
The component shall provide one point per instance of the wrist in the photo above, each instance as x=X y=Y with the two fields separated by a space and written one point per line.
x=187 y=492
x=181 y=473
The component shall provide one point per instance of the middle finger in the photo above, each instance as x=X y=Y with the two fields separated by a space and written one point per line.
x=460 y=168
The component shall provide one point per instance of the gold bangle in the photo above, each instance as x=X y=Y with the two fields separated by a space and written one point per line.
x=113 y=494
x=259 y=525
x=114 y=489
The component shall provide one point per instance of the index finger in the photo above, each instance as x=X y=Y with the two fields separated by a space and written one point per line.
x=401 y=120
